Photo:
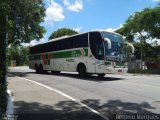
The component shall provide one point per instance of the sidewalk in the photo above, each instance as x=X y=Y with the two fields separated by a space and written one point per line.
x=34 y=102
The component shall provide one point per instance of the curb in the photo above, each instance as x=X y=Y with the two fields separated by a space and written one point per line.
x=9 y=110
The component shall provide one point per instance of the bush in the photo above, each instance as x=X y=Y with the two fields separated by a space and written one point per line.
x=3 y=98
x=147 y=71
x=153 y=63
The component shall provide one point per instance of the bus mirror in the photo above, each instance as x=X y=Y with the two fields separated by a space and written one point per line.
x=124 y=38
x=131 y=46
x=108 y=42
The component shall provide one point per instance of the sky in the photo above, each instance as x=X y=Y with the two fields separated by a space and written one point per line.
x=87 y=15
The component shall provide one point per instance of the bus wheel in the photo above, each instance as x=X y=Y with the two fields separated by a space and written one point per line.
x=82 y=70
x=101 y=75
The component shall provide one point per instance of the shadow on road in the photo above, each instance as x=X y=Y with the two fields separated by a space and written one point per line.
x=19 y=74
x=90 y=77
x=70 y=75
x=69 y=110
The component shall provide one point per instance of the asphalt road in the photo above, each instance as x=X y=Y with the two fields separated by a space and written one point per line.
x=112 y=94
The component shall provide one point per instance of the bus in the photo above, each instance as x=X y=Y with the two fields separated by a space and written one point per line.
x=94 y=52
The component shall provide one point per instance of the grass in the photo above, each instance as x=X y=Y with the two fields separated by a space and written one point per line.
x=3 y=98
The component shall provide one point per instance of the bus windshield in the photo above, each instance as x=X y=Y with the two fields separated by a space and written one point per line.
x=116 y=46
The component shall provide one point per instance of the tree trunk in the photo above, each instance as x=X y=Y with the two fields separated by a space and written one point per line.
x=3 y=70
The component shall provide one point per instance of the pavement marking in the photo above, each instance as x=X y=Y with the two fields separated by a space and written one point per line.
x=67 y=96
x=10 y=110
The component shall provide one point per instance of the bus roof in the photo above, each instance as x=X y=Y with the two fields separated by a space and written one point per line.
x=68 y=36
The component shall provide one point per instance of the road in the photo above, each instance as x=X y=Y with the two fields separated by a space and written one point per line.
x=125 y=93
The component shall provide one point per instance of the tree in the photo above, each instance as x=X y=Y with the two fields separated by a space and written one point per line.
x=24 y=55
x=3 y=30
x=62 y=32
x=24 y=19
x=146 y=23
x=18 y=53
x=143 y=25
x=20 y=22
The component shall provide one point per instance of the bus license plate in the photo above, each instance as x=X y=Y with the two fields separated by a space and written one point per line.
x=119 y=70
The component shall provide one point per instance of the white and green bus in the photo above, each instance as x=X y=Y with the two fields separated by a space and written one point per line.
x=95 y=52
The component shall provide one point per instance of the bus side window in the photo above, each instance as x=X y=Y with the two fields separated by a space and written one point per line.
x=80 y=41
x=77 y=42
x=72 y=42
x=56 y=46
x=84 y=40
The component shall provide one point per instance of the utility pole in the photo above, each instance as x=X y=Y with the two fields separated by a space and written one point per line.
x=142 y=39
x=141 y=47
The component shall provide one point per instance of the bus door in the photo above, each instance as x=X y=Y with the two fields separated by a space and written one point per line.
x=96 y=62
x=100 y=62
x=91 y=62
x=96 y=56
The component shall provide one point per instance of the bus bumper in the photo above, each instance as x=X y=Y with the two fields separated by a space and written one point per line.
x=118 y=70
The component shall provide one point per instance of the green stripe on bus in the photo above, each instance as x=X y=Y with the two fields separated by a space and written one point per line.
x=46 y=56
x=48 y=62
x=63 y=54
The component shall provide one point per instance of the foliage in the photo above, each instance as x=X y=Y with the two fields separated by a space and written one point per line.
x=144 y=26
x=153 y=60
x=148 y=50
x=62 y=32
x=3 y=84
x=18 y=53
x=24 y=18
x=146 y=21
x=20 y=21
x=3 y=93
x=146 y=71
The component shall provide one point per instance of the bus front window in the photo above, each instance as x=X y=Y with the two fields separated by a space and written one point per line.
x=115 y=52
x=99 y=49
x=96 y=45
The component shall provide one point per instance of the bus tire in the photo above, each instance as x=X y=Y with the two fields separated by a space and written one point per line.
x=101 y=75
x=36 y=68
x=81 y=69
